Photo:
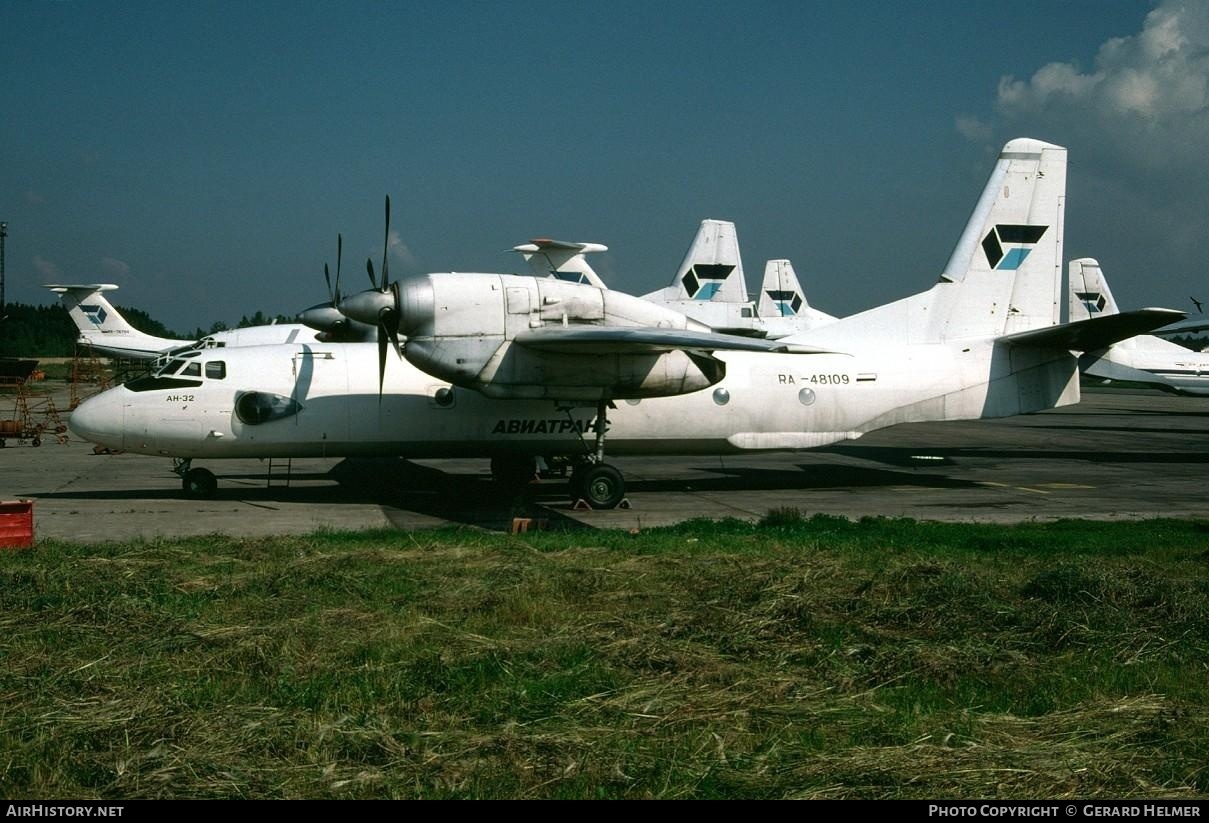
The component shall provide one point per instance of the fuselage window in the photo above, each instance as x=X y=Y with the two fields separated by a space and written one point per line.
x=192 y=370
x=216 y=369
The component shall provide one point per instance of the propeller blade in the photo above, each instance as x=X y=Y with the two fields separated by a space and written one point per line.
x=390 y=327
x=339 y=253
x=369 y=267
x=328 y=278
x=386 y=243
x=381 y=365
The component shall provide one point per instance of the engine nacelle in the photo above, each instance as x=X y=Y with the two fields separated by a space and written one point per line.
x=461 y=328
x=334 y=325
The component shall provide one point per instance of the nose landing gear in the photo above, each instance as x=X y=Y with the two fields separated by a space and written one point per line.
x=198 y=484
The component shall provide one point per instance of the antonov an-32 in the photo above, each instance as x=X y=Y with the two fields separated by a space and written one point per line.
x=515 y=368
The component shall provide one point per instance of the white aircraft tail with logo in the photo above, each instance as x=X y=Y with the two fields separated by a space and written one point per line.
x=781 y=294
x=562 y=260
x=709 y=285
x=103 y=328
x=1089 y=293
x=996 y=307
x=1004 y=275
x=712 y=269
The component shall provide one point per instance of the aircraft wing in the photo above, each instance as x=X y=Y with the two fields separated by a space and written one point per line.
x=1096 y=333
x=639 y=340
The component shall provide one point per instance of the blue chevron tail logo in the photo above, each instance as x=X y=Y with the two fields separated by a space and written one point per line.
x=1020 y=240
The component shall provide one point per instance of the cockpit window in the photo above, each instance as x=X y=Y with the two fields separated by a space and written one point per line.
x=192 y=370
x=216 y=369
x=172 y=367
x=159 y=382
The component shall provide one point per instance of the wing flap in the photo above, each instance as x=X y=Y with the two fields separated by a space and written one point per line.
x=636 y=340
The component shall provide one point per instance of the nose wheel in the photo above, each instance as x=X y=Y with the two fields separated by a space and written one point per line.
x=198 y=484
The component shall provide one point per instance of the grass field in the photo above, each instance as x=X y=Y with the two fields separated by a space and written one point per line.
x=795 y=658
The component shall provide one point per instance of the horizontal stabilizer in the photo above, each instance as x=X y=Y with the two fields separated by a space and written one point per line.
x=90 y=287
x=1095 y=333
x=543 y=244
x=634 y=340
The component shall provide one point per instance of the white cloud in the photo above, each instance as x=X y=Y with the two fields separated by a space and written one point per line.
x=399 y=251
x=972 y=128
x=1137 y=124
x=47 y=268
x=1157 y=75
x=114 y=267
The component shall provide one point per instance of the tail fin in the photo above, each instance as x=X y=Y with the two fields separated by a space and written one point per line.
x=566 y=261
x=712 y=268
x=103 y=328
x=1089 y=293
x=1005 y=275
x=781 y=294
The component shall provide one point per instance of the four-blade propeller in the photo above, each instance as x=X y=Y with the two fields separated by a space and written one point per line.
x=379 y=306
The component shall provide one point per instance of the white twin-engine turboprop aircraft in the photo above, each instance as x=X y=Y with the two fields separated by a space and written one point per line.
x=515 y=368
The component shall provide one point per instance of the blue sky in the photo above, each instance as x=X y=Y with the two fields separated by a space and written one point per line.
x=204 y=155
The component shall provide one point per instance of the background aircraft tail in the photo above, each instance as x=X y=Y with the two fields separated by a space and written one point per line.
x=103 y=328
x=561 y=259
x=712 y=268
x=1091 y=298
x=1089 y=293
x=781 y=295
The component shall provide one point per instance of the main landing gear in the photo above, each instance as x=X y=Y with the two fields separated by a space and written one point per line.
x=198 y=484
x=596 y=484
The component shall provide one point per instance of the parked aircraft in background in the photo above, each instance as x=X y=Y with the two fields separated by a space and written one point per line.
x=516 y=367
x=103 y=329
x=1141 y=359
x=709 y=285
x=566 y=261
x=782 y=307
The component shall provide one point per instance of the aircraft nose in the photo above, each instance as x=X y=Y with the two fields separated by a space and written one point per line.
x=99 y=419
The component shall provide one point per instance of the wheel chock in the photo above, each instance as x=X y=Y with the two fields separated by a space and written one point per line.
x=582 y=505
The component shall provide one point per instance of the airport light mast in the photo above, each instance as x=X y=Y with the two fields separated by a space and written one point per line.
x=3 y=234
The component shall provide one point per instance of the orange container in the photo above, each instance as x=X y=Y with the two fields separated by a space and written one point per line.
x=16 y=524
